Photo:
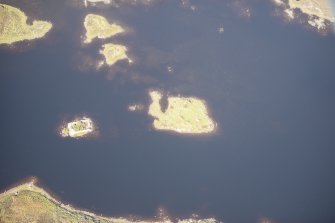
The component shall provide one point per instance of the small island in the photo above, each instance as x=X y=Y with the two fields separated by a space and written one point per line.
x=183 y=115
x=77 y=128
x=113 y=53
x=30 y=203
x=14 y=27
x=97 y=26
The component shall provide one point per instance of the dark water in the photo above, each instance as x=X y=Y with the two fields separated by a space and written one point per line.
x=270 y=85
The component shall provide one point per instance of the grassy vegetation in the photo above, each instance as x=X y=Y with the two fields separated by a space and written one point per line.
x=14 y=27
x=98 y=27
x=79 y=126
x=113 y=53
x=28 y=203
x=183 y=115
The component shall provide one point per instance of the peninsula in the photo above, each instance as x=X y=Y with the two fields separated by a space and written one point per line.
x=14 y=27
x=97 y=26
x=31 y=204
x=113 y=53
x=183 y=115
x=77 y=128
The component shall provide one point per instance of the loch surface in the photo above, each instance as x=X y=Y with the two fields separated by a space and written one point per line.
x=268 y=83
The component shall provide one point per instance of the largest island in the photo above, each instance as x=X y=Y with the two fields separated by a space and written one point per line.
x=185 y=115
